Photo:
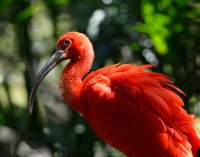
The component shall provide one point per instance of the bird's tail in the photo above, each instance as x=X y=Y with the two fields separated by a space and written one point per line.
x=194 y=139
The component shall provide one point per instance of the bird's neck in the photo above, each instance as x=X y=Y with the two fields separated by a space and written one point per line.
x=71 y=77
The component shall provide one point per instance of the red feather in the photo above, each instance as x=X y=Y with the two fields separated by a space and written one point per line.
x=124 y=96
x=135 y=111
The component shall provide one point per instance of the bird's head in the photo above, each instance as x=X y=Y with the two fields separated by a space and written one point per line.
x=71 y=45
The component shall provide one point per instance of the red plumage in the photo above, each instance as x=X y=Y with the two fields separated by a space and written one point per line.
x=134 y=110
x=130 y=108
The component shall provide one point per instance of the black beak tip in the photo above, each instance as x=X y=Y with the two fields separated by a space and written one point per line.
x=30 y=109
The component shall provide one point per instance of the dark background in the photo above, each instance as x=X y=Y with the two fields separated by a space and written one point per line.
x=161 y=32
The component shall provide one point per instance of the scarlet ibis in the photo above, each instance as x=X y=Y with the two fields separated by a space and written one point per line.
x=133 y=110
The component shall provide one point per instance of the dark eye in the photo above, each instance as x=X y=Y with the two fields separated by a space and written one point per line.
x=67 y=41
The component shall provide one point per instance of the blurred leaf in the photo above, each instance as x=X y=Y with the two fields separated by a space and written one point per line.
x=2 y=118
x=4 y=4
x=30 y=11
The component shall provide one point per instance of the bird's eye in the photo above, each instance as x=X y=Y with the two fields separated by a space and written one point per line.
x=67 y=41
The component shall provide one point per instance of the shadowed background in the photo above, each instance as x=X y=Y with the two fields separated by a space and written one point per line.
x=161 y=32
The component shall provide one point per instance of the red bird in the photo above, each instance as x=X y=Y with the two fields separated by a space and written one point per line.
x=134 y=111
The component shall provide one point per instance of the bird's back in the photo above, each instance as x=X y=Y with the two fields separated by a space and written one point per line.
x=138 y=112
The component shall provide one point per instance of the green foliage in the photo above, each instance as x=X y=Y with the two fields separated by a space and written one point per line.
x=2 y=118
x=161 y=32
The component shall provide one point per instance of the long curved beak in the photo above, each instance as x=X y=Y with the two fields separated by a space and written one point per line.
x=57 y=57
